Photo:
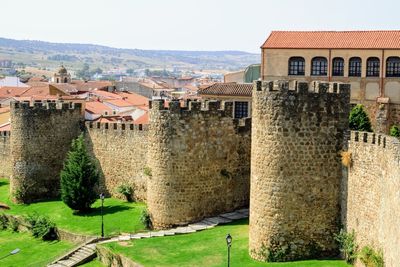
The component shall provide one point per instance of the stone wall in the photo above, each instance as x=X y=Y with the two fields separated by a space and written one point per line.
x=199 y=160
x=120 y=151
x=297 y=135
x=41 y=137
x=373 y=196
x=5 y=154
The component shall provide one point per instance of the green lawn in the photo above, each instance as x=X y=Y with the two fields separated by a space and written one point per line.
x=206 y=248
x=119 y=216
x=33 y=252
x=94 y=263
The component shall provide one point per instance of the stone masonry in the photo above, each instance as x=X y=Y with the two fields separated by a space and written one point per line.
x=120 y=150
x=199 y=159
x=41 y=137
x=297 y=135
x=5 y=154
x=373 y=194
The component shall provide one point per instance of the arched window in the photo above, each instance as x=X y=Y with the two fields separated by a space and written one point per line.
x=355 y=67
x=65 y=80
x=319 y=66
x=373 y=67
x=338 y=66
x=296 y=66
x=58 y=80
x=393 y=67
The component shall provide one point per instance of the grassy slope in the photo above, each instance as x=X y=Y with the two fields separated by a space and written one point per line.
x=34 y=252
x=206 y=248
x=119 y=216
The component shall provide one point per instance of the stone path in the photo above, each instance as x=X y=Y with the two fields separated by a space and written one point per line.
x=88 y=252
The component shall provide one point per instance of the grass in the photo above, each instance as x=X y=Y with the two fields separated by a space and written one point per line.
x=119 y=216
x=206 y=248
x=93 y=263
x=33 y=252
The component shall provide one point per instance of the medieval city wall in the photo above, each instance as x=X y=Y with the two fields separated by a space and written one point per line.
x=5 y=154
x=373 y=196
x=41 y=137
x=199 y=159
x=298 y=132
x=120 y=151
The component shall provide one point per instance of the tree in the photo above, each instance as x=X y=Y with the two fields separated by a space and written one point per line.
x=84 y=73
x=130 y=71
x=395 y=131
x=358 y=119
x=78 y=178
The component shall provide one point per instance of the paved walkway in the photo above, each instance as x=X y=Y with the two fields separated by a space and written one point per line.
x=87 y=252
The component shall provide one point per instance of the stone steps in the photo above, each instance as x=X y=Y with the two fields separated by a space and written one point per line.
x=88 y=252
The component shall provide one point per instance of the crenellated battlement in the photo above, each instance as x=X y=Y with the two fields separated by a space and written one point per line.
x=5 y=133
x=380 y=140
x=224 y=108
x=303 y=87
x=118 y=126
x=46 y=105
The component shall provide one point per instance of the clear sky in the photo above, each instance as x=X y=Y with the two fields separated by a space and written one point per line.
x=186 y=24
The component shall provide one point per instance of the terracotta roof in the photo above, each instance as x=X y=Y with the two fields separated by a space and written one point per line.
x=105 y=95
x=96 y=107
x=228 y=89
x=114 y=119
x=144 y=119
x=65 y=87
x=5 y=127
x=334 y=39
x=135 y=99
x=8 y=91
x=119 y=103
x=90 y=85
x=4 y=109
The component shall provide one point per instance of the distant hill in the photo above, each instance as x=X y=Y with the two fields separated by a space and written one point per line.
x=50 y=55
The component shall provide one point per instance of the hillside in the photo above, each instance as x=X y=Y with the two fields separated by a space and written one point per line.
x=49 y=55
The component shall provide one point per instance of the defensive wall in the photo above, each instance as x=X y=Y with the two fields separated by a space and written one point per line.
x=5 y=154
x=373 y=193
x=199 y=158
x=120 y=152
x=41 y=137
x=298 y=132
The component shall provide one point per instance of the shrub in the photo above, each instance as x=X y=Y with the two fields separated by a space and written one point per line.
x=370 y=257
x=395 y=131
x=78 y=178
x=13 y=224
x=147 y=171
x=3 y=222
x=145 y=218
x=125 y=190
x=346 y=158
x=347 y=245
x=41 y=227
x=358 y=119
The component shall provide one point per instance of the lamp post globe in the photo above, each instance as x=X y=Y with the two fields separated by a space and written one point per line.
x=229 y=244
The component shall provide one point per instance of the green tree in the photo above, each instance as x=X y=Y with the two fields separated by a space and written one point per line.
x=358 y=119
x=130 y=71
x=78 y=177
x=395 y=131
x=84 y=73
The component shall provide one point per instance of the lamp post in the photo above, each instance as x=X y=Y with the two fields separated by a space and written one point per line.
x=229 y=243
x=102 y=219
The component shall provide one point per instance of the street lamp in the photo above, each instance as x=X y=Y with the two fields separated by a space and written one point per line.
x=102 y=219
x=229 y=243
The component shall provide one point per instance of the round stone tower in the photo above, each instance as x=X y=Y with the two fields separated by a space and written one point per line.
x=297 y=136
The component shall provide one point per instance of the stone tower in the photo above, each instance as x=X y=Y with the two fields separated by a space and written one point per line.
x=199 y=160
x=41 y=137
x=62 y=76
x=297 y=135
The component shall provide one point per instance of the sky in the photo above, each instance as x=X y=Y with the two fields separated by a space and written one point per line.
x=186 y=24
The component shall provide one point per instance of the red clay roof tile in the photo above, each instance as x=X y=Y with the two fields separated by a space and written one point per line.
x=334 y=39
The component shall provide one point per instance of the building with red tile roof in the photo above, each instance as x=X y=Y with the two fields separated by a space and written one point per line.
x=368 y=60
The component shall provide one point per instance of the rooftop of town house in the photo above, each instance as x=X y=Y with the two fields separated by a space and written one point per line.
x=333 y=40
x=97 y=107
x=12 y=91
x=119 y=103
x=144 y=119
x=5 y=127
x=135 y=99
x=228 y=89
x=104 y=94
